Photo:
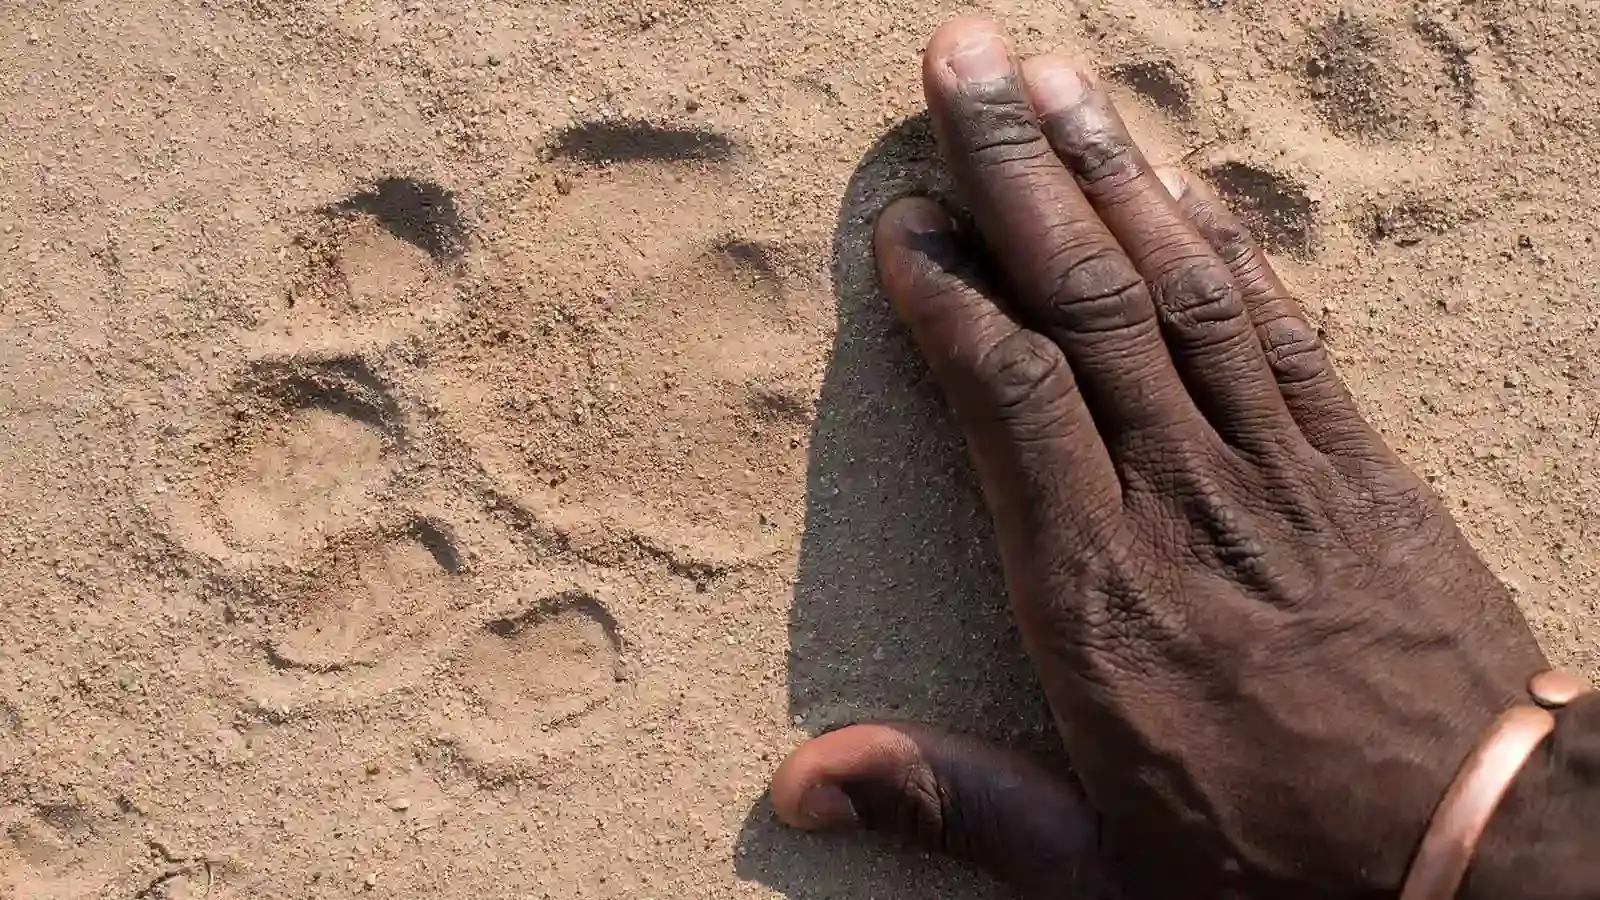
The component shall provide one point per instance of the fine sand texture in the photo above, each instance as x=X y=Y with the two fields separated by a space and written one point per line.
x=456 y=449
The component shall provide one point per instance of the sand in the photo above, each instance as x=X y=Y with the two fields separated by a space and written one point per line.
x=456 y=449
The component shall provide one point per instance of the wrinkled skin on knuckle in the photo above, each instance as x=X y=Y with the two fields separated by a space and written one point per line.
x=1228 y=542
x=1029 y=823
x=1096 y=147
x=995 y=128
x=1263 y=525
x=915 y=806
x=1254 y=276
x=924 y=811
x=1201 y=298
x=1226 y=234
x=1094 y=290
x=1221 y=529
x=1293 y=350
x=1027 y=382
x=941 y=812
x=1101 y=615
x=1236 y=247
x=1169 y=477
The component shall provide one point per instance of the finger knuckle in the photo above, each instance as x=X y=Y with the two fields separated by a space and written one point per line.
x=1233 y=243
x=1201 y=298
x=1293 y=350
x=1025 y=374
x=924 y=809
x=1231 y=239
x=1000 y=132
x=1225 y=233
x=1096 y=146
x=1255 y=277
x=1094 y=289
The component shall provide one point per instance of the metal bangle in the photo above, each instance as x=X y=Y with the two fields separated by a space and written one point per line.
x=1482 y=781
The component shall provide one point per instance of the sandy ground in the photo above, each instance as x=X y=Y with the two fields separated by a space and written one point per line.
x=456 y=449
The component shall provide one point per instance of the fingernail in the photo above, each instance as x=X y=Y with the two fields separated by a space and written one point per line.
x=828 y=807
x=1175 y=181
x=980 y=57
x=1057 y=86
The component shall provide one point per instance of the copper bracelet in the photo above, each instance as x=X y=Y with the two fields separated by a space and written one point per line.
x=1460 y=818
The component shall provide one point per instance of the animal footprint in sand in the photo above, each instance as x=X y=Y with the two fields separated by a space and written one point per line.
x=310 y=452
x=547 y=665
x=668 y=414
x=1276 y=206
x=371 y=613
x=55 y=846
x=1372 y=73
x=314 y=431
x=367 y=601
x=386 y=256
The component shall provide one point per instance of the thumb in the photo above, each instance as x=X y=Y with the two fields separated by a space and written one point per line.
x=949 y=794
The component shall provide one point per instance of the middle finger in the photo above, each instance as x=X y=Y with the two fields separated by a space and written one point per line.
x=1070 y=278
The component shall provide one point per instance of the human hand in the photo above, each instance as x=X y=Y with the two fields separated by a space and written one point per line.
x=1266 y=644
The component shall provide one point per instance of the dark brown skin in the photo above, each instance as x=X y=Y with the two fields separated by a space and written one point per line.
x=1266 y=644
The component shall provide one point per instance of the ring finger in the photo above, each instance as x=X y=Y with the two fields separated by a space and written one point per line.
x=1203 y=313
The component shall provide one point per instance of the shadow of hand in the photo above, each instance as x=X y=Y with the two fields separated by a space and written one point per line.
x=899 y=607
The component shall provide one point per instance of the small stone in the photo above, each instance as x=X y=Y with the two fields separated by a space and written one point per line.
x=370 y=882
x=691 y=105
x=799 y=720
x=563 y=185
x=400 y=804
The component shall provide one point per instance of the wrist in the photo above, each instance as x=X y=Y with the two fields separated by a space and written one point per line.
x=1543 y=842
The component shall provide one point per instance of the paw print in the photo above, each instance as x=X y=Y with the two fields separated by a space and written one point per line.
x=432 y=486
